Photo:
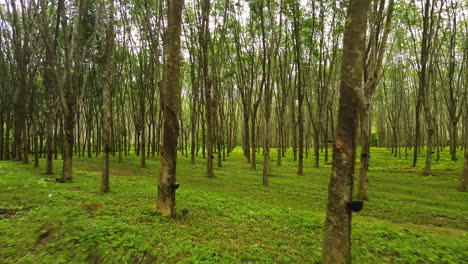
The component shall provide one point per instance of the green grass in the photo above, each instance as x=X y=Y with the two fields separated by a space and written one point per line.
x=232 y=218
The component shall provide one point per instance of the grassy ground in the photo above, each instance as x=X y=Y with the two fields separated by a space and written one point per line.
x=409 y=218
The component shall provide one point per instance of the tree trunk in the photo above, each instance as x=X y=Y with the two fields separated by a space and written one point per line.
x=299 y=87
x=36 y=146
x=417 y=137
x=2 y=123
x=170 y=95
x=337 y=240
x=246 y=135
x=253 y=156
x=20 y=123
x=317 y=148
x=365 y=148
x=464 y=178
x=106 y=83
x=68 y=140
x=7 y=140
x=209 y=102
x=50 y=134
x=453 y=141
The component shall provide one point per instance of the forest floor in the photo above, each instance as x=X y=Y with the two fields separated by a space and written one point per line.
x=232 y=218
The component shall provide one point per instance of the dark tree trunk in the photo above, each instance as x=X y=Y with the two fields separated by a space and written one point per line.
x=68 y=140
x=170 y=94
x=246 y=136
x=7 y=140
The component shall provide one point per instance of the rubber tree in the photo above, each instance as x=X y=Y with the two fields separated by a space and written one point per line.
x=170 y=97
x=78 y=42
x=208 y=86
x=299 y=84
x=337 y=240
x=107 y=69
x=372 y=74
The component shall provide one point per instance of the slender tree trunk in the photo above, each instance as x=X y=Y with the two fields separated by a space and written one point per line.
x=464 y=178
x=107 y=68
x=253 y=156
x=50 y=135
x=209 y=102
x=20 y=123
x=7 y=140
x=143 y=145
x=203 y=140
x=453 y=141
x=36 y=146
x=2 y=141
x=365 y=147
x=417 y=137
x=26 y=145
x=279 y=147
x=299 y=86
x=246 y=136
x=317 y=148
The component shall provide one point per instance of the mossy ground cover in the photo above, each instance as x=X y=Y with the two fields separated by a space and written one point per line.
x=232 y=218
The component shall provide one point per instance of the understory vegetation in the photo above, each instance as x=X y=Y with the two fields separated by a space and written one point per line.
x=409 y=218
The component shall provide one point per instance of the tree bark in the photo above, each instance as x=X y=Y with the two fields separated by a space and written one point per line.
x=170 y=95
x=365 y=148
x=209 y=102
x=372 y=74
x=299 y=88
x=337 y=241
x=107 y=70
x=68 y=140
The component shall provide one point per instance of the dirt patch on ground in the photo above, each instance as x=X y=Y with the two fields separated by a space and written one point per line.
x=97 y=167
x=8 y=213
x=13 y=212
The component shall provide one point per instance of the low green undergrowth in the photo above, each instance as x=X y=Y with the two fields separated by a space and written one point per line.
x=232 y=218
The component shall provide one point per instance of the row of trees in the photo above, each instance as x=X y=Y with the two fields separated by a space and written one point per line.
x=262 y=74
x=157 y=77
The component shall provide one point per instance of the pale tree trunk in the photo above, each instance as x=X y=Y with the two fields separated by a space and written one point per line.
x=170 y=95
x=337 y=240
